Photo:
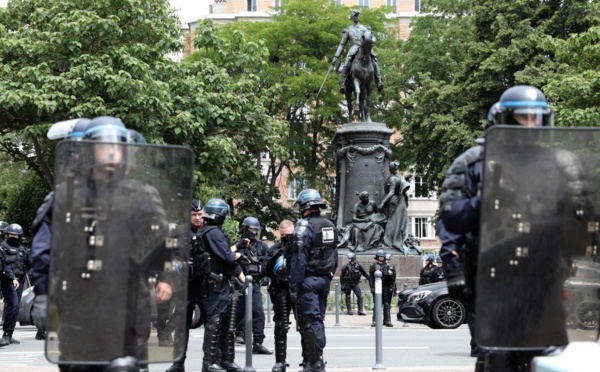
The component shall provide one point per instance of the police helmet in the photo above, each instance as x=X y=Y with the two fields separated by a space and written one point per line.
x=388 y=256
x=72 y=129
x=3 y=226
x=438 y=259
x=280 y=268
x=524 y=100
x=14 y=228
x=310 y=198
x=250 y=228
x=379 y=253
x=351 y=256
x=491 y=116
x=429 y=257
x=196 y=205
x=110 y=129
x=216 y=210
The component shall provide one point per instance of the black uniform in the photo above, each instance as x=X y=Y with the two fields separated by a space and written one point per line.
x=388 y=284
x=427 y=274
x=279 y=291
x=314 y=261
x=219 y=333
x=350 y=277
x=256 y=252
x=16 y=257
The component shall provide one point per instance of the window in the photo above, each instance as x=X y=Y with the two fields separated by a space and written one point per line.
x=251 y=5
x=294 y=188
x=422 y=228
x=277 y=3
x=394 y=4
x=364 y=3
x=417 y=5
x=420 y=187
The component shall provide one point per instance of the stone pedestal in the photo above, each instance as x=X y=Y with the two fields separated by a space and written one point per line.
x=362 y=155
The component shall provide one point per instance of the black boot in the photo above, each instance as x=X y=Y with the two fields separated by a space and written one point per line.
x=343 y=81
x=260 y=349
x=40 y=335
x=231 y=366
x=8 y=337
x=211 y=342
x=281 y=329
x=360 y=306
x=3 y=342
x=349 y=305
x=317 y=366
x=386 y=315
x=176 y=367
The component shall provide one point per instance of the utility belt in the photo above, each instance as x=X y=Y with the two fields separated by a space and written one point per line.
x=216 y=281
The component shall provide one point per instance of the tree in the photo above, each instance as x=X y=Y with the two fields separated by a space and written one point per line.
x=505 y=48
x=301 y=40
x=62 y=59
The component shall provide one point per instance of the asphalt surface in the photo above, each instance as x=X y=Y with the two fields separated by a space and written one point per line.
x=350 y=347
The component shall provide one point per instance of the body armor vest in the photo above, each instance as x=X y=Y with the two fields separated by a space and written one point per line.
x=352 y=273
x=321 y=254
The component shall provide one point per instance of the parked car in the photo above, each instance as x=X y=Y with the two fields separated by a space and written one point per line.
x=24 y=317
x=430 y=304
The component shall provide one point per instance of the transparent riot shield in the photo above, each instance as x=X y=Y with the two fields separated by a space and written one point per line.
x=538 y=276
x=118 y=271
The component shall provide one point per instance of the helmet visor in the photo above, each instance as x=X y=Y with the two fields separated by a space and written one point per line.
x=108 y=133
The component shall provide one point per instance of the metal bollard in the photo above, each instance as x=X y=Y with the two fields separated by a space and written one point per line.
x=337 y=305
x=378 y=323
x=268 y=309
x=248 y=322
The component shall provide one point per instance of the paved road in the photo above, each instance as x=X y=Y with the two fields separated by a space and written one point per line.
x=350 y=347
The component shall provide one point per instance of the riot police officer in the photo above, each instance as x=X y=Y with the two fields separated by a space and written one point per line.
x=460 y=201
x=388 y=285
x=277 y=270
x=104 y=208
x=17 y=256
x=218 y=346
x=314 y=260
x=440 y=273
x=255 y=249
x=3 y=226
x=6 y=275
x=196 y=295
x=428 y=271
x=349 y=278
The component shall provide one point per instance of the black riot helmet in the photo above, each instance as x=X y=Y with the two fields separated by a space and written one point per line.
x=309 y=198
x=524 y=104
x=196 y=205
x=250 y=228
x=379 y=253
x=3 y=226
x=216 y=210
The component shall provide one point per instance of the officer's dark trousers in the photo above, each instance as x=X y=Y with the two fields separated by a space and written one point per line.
x=195 y=296
x=312 y=304
x=282 y=305
x=12 y=297
x=216 y=305
x=258 y=315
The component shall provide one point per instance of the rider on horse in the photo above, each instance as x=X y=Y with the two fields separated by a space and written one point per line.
x=353 y=35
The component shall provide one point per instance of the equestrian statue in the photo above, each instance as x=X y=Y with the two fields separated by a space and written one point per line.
x=359 y=69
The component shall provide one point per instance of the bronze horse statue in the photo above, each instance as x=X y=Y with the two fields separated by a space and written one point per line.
x=360 y=80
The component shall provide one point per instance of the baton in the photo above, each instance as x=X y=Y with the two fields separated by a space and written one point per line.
x=324 y=80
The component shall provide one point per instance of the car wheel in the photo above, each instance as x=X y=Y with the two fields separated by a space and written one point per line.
x=587 y=314
x=196 y=316
x=448 y=314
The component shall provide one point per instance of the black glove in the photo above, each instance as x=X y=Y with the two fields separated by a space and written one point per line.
x=244 y=260
x=38 y=312
x=457 y=285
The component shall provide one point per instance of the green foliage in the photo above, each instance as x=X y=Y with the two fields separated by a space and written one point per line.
x=462 y=57
x=23 y=201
